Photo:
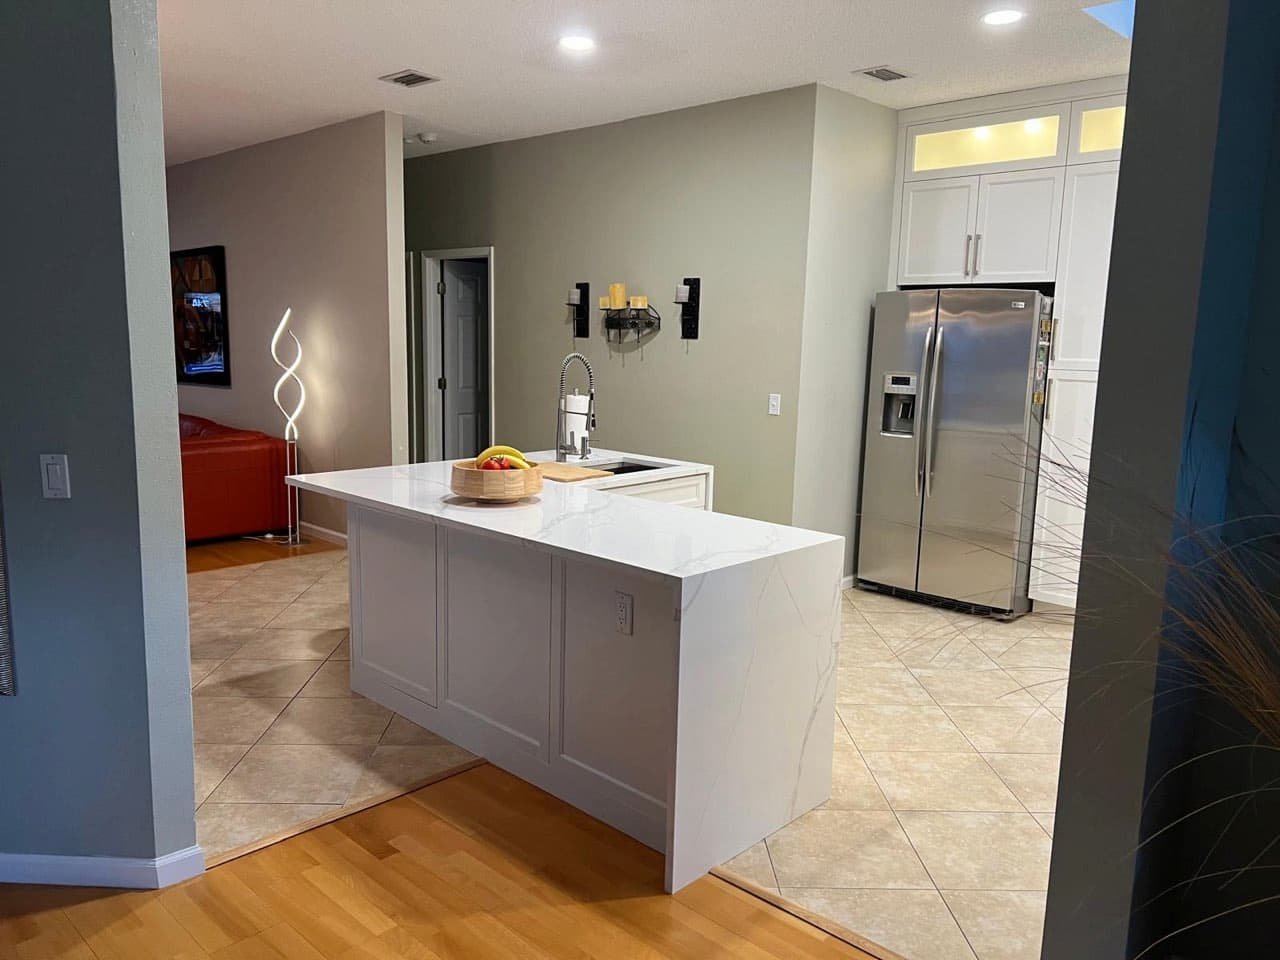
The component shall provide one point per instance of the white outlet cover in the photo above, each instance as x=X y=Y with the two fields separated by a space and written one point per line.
x=775 y=404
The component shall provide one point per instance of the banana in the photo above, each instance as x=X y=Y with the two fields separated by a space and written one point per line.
x=500 y=451
x=519 y=463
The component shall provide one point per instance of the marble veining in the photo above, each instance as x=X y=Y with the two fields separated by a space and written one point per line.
x=660 y=538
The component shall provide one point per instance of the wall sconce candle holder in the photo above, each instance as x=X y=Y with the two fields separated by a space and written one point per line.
x=689 y=297
x=580 y=302
x=643 y=320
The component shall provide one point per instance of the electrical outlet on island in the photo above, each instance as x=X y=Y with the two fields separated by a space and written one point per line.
x=624 y=612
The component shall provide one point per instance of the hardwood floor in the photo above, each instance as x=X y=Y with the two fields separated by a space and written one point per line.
x=479 y=865
x=216 y=554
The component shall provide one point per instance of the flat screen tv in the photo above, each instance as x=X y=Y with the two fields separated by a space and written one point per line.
x=200 y=338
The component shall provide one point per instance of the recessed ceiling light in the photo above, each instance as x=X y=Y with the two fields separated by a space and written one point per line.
x=577 y=43
x=1002 y=18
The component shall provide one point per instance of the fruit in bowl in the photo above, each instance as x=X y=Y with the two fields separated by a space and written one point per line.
x=502 y=458
x=500 y=473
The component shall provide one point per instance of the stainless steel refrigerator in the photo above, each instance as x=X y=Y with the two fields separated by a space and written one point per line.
x=952 y=444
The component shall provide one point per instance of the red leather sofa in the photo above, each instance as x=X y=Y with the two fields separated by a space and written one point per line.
x=232 y=480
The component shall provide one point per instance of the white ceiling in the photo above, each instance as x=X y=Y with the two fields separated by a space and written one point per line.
x=237 y=72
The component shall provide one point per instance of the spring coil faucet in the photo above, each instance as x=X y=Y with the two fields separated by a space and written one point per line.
x=565 y=447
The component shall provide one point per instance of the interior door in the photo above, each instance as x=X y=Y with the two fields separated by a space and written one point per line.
x=935 y=241
x=464 y=320
x=1016 y=233
x=977 y=444
x=889 y=521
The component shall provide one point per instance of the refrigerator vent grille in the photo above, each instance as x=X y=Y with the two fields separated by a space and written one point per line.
x=409 y=78
x=6 y=639
x=884 y=73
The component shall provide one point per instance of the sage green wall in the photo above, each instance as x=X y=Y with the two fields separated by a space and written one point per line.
x=850 y=207
x=721 y=192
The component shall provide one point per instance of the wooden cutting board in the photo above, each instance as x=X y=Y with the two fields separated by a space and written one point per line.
x=568 y=473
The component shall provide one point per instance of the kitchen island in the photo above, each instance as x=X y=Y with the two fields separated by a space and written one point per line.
x=670 y=671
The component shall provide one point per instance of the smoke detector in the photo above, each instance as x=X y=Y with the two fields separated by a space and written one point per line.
x=409 y=78
x=883 y=73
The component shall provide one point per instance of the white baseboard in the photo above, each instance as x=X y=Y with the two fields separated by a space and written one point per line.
x=323 y=533
x=847 y=583
x=134 y=872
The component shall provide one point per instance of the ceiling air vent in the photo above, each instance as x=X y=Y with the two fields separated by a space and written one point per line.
x=882 y=73
x=409 y=78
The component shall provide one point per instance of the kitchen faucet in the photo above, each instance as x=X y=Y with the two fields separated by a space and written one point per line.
x=564 y=446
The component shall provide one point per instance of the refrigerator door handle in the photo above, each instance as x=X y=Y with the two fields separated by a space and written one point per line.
x=932 y=428
x=921 y=414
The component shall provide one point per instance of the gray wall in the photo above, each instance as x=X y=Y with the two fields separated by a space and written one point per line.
x=96 y=746
x=850 y=207
x=720 y=192
x=312 y=221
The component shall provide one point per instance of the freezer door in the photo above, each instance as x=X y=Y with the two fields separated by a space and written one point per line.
x=889 y=523
x=982 y=441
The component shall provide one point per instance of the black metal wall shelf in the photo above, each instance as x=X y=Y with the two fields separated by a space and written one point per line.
x=643 y=320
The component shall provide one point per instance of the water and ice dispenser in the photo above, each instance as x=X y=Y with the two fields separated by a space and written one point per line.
x=900 y=404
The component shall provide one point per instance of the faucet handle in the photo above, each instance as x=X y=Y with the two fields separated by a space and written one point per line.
x=584 y=447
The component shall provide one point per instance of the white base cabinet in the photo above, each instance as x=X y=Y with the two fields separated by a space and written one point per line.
x=704 y=729
x=1063 y=487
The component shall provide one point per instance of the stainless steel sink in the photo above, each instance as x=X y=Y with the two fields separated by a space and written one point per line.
x=625 y=466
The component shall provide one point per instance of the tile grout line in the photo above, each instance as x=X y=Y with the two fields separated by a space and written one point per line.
x=894 y=810
x=946 y=713
x=310 y=676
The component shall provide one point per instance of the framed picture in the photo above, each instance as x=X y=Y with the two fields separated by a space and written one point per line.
x=201 y=343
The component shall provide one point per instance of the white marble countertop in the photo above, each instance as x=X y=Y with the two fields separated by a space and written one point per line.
x=664 y=539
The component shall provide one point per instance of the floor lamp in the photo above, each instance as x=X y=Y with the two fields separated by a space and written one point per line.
x=290 y=372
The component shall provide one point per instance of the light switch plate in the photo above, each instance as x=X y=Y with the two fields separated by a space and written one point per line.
x=55 y=477
x=624 y=612
x=775 y=404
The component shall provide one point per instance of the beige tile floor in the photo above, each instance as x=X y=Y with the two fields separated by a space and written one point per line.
x=279 y=736
x=935 y=842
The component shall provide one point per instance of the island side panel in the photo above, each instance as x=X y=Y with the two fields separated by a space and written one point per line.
x=613 y=729
x=393 y=604
x=759 y=648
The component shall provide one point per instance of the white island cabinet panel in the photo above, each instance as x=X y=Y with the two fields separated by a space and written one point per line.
x=618 y=699
x=703 y=730
x=497 y=663
x=393 y=573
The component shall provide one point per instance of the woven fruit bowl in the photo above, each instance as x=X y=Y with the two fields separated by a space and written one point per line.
x=497 y=486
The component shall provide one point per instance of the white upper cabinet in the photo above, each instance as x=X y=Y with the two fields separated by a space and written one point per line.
x=1085 y=259
x=997 y=228
x=1016 y=234
x=936 y=241
x=993 y=143
x=1097 y=129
